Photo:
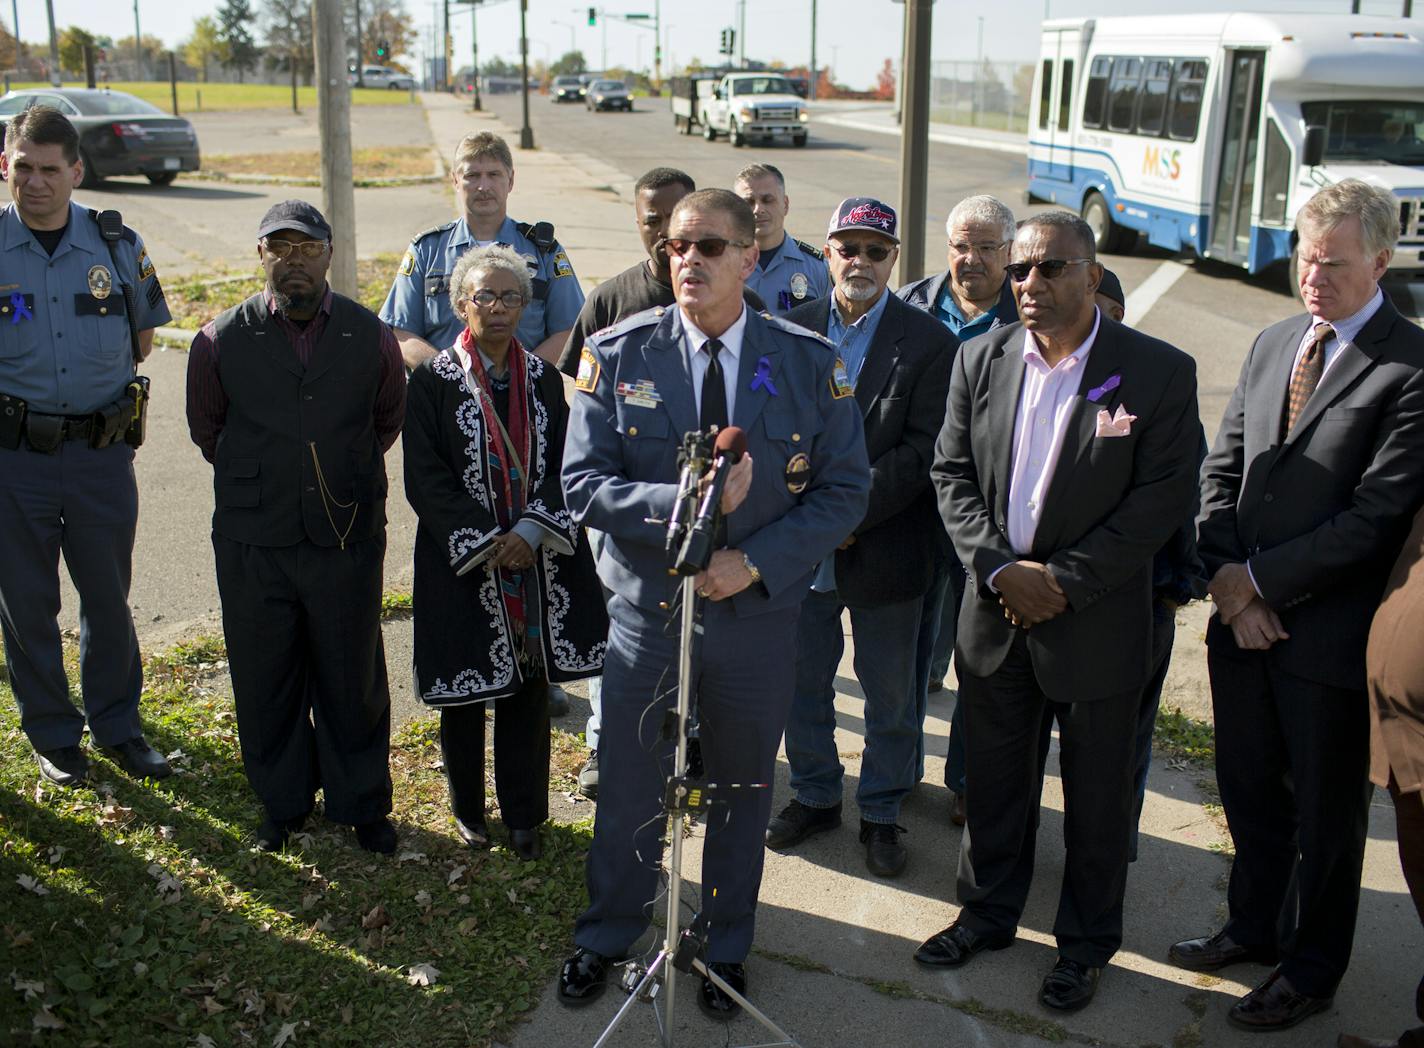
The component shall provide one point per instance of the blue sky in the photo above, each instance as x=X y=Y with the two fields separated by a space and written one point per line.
x=855 y=36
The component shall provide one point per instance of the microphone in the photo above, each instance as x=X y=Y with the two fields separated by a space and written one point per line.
x=697 y=550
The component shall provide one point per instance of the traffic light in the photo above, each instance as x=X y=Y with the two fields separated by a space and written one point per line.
x=593 y=16
x=729 y=42
x=382 y=48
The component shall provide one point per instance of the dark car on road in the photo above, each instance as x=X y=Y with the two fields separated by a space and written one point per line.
x=118 y=133
x=566 y=89
x=609 y=94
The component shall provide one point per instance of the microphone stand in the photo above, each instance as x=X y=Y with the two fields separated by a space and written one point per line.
x=682 y=948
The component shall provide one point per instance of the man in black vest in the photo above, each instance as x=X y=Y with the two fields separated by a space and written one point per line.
x=294 y=396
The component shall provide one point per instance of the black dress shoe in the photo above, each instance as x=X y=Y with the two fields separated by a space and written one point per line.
x=955 y=945
x=885 y=856
x=525 y=844
x=474 y=833
x=583 y=978
x=1275 y=1005
x=716 y=1002
x=1069 y=986
x=1217 y=951
x=558 y=702
x=378 y=836
x=66 y=766
x=273 y=834
x=138 y=759
x=795 y=822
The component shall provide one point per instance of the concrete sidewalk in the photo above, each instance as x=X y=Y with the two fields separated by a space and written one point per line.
x=880 y=119
x=833 y=957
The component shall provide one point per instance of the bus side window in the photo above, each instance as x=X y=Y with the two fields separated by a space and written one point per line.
x=1045 y=94
x=1095 y=97
x=1184 y=106
x=1065 y=95
x=1152 y=113
x=1122 y=93
x=1275 y=177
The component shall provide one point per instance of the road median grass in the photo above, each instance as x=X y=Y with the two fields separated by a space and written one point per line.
x=367 y=165
x=196 y=302
x=212 y=98
x=139 y=914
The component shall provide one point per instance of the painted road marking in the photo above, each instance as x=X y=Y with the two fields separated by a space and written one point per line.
x=1145 y=296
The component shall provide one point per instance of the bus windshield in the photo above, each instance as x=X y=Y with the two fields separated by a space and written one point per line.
x=1387 y=132
x=763 y=85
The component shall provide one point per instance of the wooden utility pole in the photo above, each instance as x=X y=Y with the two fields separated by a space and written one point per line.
x=914 y=140
x=338 y=196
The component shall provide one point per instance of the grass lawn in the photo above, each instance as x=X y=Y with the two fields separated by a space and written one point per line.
x=369 y=164
x=139 y=914
x=194 y=304
x=209 y=98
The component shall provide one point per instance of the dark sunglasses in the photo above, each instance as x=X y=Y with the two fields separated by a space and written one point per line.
x=707 y=247
x=1052 y=268
x=874 y=252
x=305 y=248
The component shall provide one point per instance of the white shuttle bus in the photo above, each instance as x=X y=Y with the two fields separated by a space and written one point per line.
x=1208 y=132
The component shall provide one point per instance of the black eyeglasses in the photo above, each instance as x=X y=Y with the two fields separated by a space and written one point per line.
x=874 y=252
x=1052 y=268
x=485 y=299
x=307 y=248
x=708 y=247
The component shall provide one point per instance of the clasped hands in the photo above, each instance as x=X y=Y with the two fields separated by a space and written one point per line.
x=726 y=574
x=511 y=551
x=734 y=490
x=1253 y=622
x=1028 y=593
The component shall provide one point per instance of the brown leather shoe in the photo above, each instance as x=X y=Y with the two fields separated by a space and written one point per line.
x=1349 y=1040
x=1275 y=1005
x=1216 y=951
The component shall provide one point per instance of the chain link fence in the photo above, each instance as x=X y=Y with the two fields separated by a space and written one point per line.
x=981 y=94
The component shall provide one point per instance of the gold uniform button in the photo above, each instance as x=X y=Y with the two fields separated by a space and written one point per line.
x=103 y=310
x=796 y=438
x=632 y=431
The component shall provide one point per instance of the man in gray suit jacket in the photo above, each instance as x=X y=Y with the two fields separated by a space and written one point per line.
x=1316 y=473
x=1068 y=457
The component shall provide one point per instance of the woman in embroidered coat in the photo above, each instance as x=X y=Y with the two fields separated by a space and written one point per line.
x=506 y=596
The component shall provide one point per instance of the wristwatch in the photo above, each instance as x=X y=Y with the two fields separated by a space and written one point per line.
x=751 y=569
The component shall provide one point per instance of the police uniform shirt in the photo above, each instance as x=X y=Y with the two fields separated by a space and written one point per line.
x=797 y=274
x=419 y=299
x=65 y=346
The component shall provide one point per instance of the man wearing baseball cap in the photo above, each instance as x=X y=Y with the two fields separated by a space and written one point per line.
x=895 y=359
x=294 y=396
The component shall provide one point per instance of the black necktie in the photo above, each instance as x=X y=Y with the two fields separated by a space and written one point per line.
x=714 y=390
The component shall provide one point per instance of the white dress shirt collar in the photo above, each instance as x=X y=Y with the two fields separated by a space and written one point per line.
x=730 y=356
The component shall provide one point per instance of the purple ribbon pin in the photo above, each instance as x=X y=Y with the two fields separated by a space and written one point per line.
x=22 y=311
x=1096 y=395
x=762 y=379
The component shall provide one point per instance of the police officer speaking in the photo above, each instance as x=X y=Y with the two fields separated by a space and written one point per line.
x=418 y=305
x=789 y=272
x=800 y=491
x=79 y=300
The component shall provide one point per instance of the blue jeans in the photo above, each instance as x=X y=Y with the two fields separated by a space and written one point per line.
x=885 y=667
x=934 y=648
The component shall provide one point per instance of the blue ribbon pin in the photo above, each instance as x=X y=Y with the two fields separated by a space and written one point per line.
x=762 y=379
x=1096 y=394
x=22 y=311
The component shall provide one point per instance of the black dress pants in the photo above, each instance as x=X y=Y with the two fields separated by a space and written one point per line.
x=303 y=629
x=1292 y=757
x=1004 y=714
x=521 y=756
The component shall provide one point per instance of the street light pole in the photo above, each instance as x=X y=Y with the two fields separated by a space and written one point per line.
x=526 y=133
x=914 y=140
x=138 y=46
x=360 y=55
x=53 y=47
x=475 y=54
x=811 y=93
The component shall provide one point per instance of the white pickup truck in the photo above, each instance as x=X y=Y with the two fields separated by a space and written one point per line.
x=754 y=105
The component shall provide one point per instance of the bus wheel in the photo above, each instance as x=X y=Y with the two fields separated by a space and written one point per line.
x=1107 y=234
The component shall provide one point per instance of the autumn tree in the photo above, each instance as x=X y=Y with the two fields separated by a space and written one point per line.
x=234 y=17
x=147 y=55
x=385 y=20
x=288 y=28
x=204 y=45
x=569 y=63
x=72 y=42
x=885 y=82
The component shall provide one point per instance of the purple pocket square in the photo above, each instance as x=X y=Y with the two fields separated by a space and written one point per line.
x=1096 y=394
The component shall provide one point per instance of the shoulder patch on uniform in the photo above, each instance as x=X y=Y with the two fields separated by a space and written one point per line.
x=562 y=267
x=407 y=266
x=431 y=232
x=806 y=248
x=840 y=381
x=588 y=369
x=145 y=264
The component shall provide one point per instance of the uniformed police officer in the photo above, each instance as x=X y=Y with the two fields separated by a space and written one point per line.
x=418 y=306
x=66 y=468
x=788 y=271
x=798 y=493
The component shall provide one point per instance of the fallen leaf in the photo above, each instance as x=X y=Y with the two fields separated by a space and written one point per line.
x=468 y=925
x=377 y=918
x=285 y=1035
x=455 y=875
x=346 y=1015
x=411 y=856
x=325 y=924
x=303 y=840
x=422 y=899
x=423 y=975
x=20 y=938
x=211 y=1006
x=463 y=900
x=204 y=1041
x=511 y=895
x=140 y=969
x=114 y=814
x=31 y=988
x=283 y=1003
x=309 y=900
x=55 y=854
x=28 y=883
x=47 y=1020
x=167 y=832
x=176 y=756
x=40 y=794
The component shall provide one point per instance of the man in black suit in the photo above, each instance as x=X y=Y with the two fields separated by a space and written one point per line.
x=896 y=359
x=1306 y=498
x=1067 y=458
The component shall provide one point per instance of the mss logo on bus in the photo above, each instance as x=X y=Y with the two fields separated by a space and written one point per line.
x=1162 y=163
